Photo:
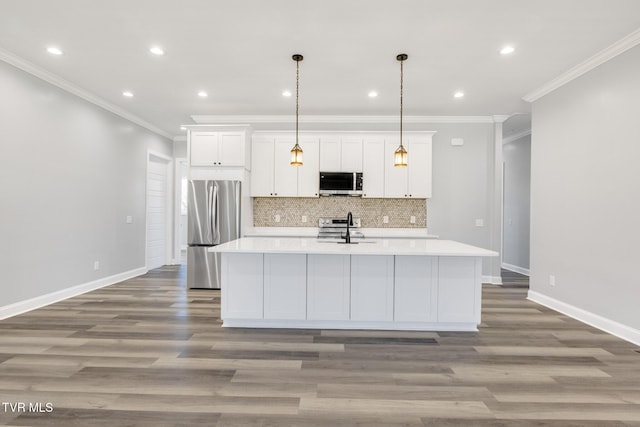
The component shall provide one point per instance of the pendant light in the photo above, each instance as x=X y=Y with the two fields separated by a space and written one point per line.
x=296 y=151
x=400 y=155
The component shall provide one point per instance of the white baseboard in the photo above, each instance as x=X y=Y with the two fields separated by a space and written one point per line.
x=43 y=300
x=516 y=269
x=493 y=280
x=625 y=332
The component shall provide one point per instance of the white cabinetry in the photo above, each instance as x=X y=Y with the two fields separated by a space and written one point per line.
x=285 y=286
x=208 y=148
x=328 y=287
x=459 y=298
x=416 y=289
x=372 y=287
x=341 y=153
x=414 y=180
x=243 y=300
x=272 y=174
x=373 y=167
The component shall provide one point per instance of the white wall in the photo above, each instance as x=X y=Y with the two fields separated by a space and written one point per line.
x=70 y=173
x=462 y=188
x=585 y=195
x=517 y=197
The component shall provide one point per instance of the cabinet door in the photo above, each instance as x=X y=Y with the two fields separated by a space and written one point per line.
x=419 y=169
x=285 y=286
x=372 y=287
x=330 y=154
x=373 y=168
x=262 y=167
x=328 y=287
x=309 y=172
x=243 y=298
x=351 y=155
x=285 y=176
x=204 y=148
x=395 y=178
x=459 y=289
x=415 y=297
x=231 y=149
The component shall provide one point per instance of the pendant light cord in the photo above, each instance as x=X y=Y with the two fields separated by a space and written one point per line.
x=401 y=90
x=297 y=94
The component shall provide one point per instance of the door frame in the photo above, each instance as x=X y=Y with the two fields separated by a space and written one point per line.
x=168 y=221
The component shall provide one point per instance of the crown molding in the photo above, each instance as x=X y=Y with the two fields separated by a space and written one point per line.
x=516 y=136
x=599 y=58
x=67 y=86
x=329 y=119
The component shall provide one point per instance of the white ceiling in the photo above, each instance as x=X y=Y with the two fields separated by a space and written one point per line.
x=239 y=51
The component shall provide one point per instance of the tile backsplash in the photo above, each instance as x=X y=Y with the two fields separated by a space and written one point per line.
x=371 y=211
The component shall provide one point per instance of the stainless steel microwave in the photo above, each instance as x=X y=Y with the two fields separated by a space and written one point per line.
x=340 y=183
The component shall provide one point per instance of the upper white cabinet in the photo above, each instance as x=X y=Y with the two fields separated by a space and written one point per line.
x=272 y=174
x=340 y=153
x=368 y=152
x=213 y=148
x=373 y=167
x=413 y=181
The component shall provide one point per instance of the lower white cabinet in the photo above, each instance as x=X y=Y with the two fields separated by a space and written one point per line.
x=328 y=287
x=416 y=289
x=285 y=286
x=458 y=298
x=372 y=287
x=244 y=299
x=357 y=291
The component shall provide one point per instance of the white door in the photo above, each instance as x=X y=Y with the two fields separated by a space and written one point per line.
x=156 y=212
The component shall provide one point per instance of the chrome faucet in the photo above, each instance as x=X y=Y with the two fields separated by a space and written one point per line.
x=347 y=236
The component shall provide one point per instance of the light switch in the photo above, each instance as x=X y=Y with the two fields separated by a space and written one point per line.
x=412 y=219
x=457 y=142
x=129 y=219
x=304 y=218
x=480 y=222
x=385 y=219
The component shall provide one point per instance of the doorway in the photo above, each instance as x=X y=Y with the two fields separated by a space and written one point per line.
x=158 y=203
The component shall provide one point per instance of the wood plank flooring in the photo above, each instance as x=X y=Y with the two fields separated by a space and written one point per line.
x=149 y=352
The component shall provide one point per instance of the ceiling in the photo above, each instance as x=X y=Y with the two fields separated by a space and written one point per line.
x=239 y=52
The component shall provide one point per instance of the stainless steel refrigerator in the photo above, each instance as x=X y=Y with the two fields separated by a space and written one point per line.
x=214 y=218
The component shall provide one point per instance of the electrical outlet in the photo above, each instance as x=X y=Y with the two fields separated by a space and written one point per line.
x=552 y=280
x=304 y=218
x=96 y=265
x=412 y=219
x=129 y=219
x=385 y=219
x=277 y=218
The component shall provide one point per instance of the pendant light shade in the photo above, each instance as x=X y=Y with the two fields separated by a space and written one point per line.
x=296 y=151
x=400 y=155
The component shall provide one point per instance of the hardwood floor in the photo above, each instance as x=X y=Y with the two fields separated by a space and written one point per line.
x=149 y=352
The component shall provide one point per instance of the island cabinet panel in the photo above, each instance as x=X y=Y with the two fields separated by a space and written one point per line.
x=328 y=278
x=242 y=277
x=372 y=287
x=458 y=292
x=416 y=289
x=285 y=286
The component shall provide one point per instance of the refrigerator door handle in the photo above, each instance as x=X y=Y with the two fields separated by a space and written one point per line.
x=214 y=216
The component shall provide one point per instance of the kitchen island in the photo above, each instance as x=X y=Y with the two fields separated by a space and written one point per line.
x=422 y=284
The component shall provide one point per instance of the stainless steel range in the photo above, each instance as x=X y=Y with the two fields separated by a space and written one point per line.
x=336 y=228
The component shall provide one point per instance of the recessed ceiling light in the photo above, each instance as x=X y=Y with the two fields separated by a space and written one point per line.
x=183 y=128
x=507 y=50
x=203 y=94
x=156 y=50
x=286 y=93
x=128 y=94
x=458 y=94
x=54 y=50
x=373 y=94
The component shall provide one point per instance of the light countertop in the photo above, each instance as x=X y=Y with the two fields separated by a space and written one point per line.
x=379 y=246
